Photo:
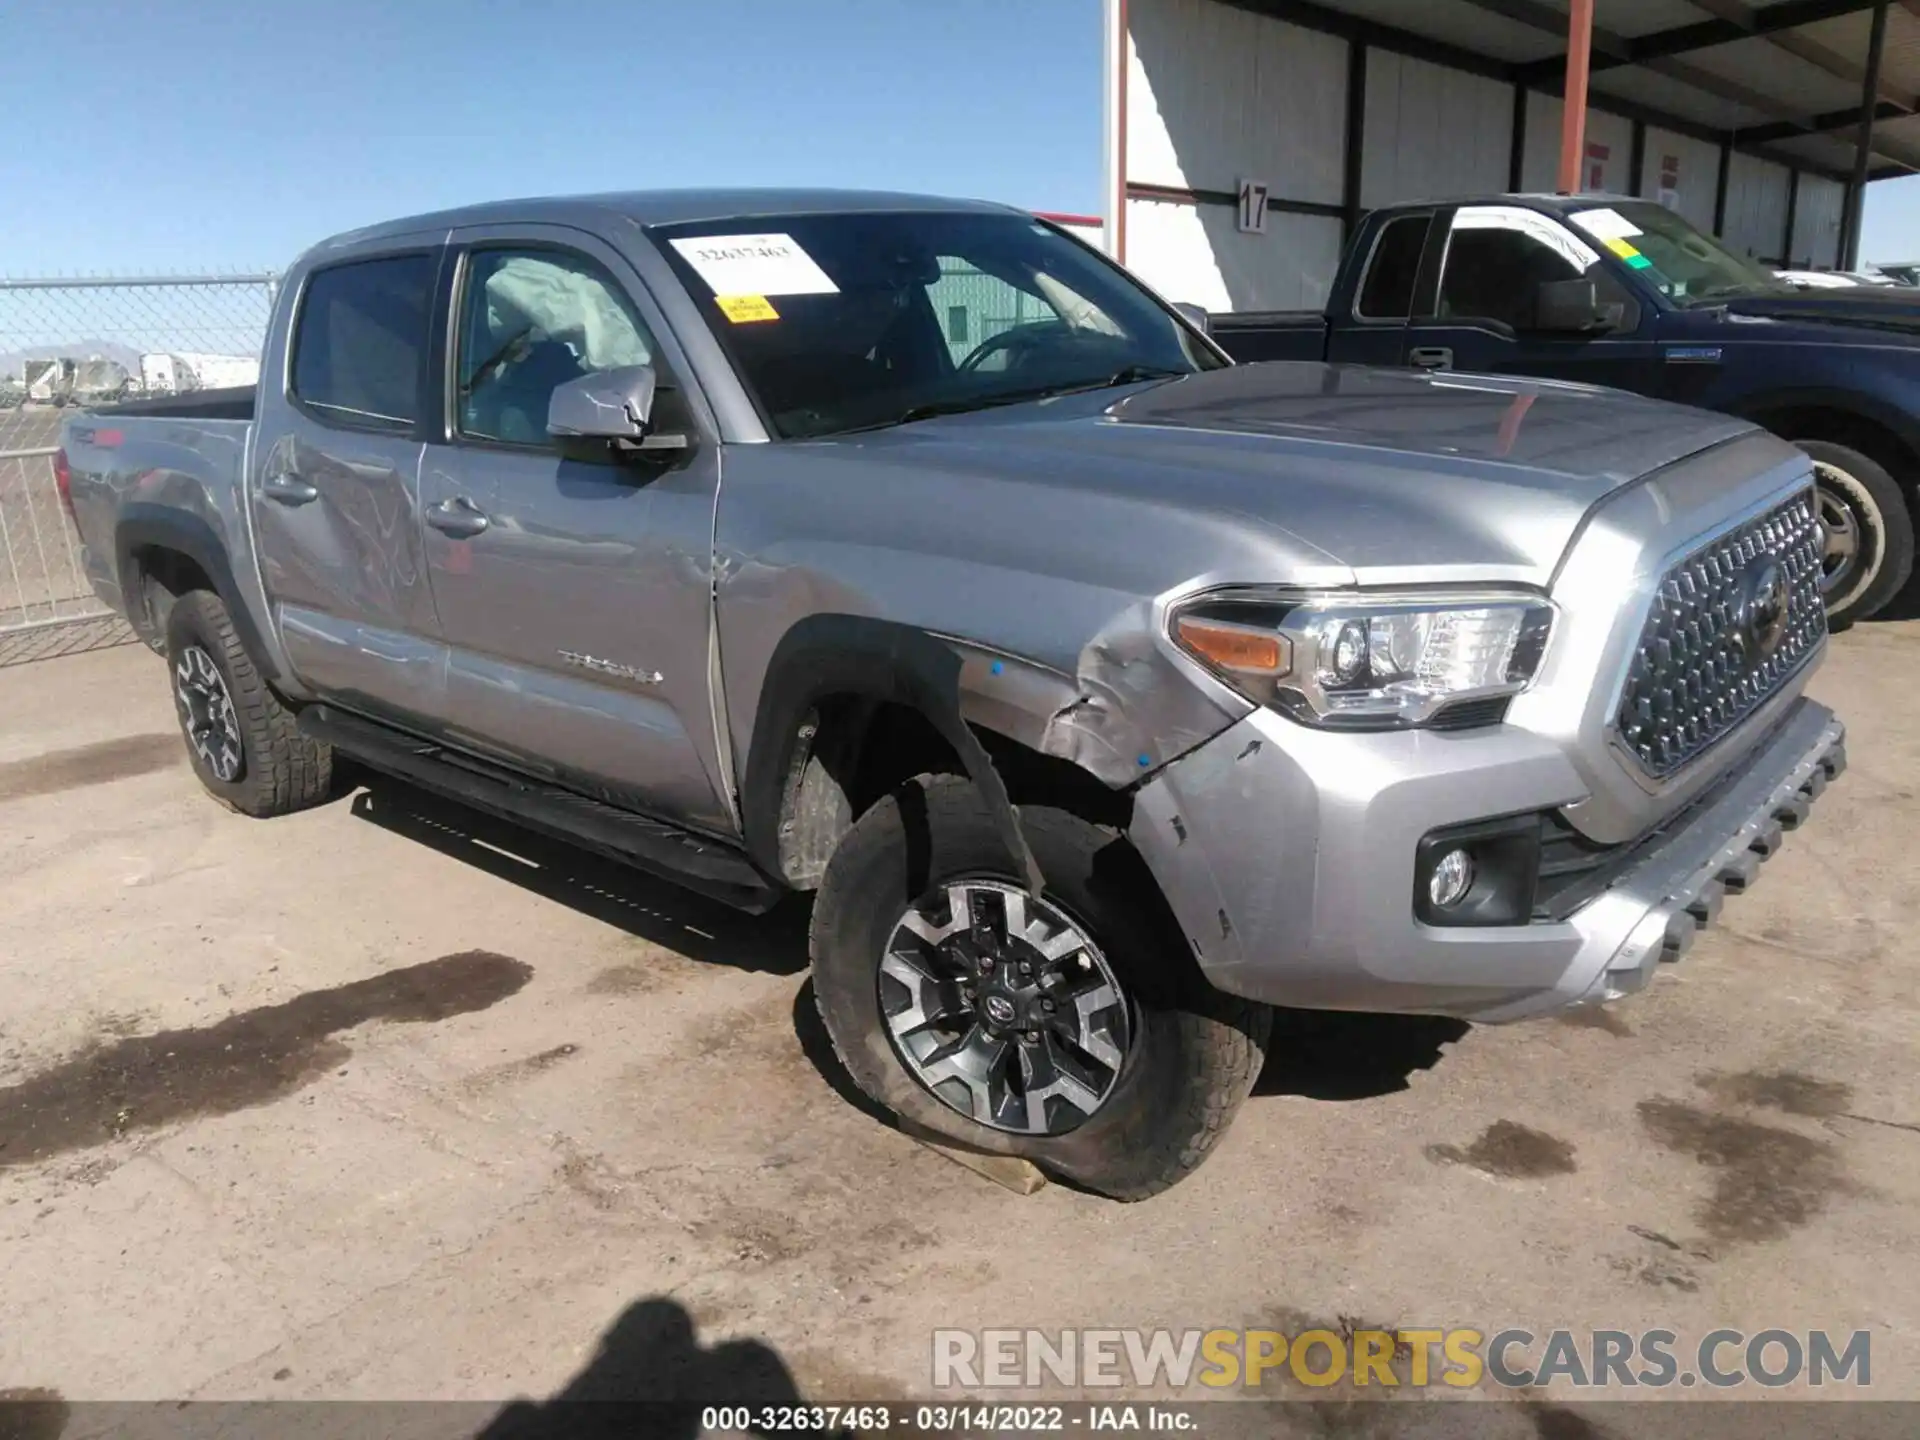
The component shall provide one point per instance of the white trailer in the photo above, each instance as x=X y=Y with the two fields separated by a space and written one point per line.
x=163 y=374
x=221 y=372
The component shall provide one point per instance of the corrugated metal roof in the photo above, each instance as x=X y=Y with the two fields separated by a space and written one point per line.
x=1900 y=63
x=1827 y=152
x=1773 y=71
x=1641 y=17
x=1905 y=130
x=1644 y=87
x=1457 y=23
x=1796 y=86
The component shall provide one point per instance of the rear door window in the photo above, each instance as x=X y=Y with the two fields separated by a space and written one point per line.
x=360 y=339
x=1387 y=291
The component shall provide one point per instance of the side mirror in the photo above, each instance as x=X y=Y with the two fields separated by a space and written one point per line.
x=1196 y=316
x=614 y=405
x=1567 y=307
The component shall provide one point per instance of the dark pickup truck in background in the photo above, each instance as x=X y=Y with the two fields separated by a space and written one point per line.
x=1620 y=292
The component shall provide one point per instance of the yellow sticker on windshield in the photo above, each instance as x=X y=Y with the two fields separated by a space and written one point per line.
x=745 y=309
x=1633 y=258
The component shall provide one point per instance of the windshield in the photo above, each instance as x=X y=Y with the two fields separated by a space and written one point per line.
x=1685 y=265
x=857 y=320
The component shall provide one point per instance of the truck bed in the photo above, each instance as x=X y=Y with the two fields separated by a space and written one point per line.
x=147 y=472
x=1272 y=334
x=236 y=404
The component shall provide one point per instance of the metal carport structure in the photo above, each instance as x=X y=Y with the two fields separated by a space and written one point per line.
x=1245 y=138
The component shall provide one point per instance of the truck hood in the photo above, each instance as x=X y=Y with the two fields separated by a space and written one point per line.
x=1871 y=312
x=1393 y=475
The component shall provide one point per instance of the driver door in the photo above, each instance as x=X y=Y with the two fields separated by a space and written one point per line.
x=1495 y=258
x=573 y=594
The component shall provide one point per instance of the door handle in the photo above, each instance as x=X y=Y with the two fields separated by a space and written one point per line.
x=1430 y=357
x=458 y=517
x=288 y=489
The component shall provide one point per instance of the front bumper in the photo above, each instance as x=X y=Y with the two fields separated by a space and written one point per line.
x=1287 y=855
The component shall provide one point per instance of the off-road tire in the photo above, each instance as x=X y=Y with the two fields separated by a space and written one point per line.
x=1195 y=1052
x=1885 y=524
x=281 y=770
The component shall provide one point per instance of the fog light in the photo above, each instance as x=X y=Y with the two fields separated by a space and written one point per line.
x=1484 y=872
x=1452 y=878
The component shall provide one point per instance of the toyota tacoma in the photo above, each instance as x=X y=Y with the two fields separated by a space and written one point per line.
x=1103 y=693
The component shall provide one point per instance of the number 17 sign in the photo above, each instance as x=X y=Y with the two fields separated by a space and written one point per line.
x=1253 y=207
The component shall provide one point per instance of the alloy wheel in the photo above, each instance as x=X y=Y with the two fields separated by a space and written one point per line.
x=207 y=714
x=1840 y=528
x=1001 y=1005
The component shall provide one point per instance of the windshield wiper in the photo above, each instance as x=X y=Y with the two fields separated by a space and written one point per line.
x=927 y=410
x=1134 y=374
x=1739 y=290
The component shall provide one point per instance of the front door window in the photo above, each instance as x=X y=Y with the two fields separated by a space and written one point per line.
x=531 y=321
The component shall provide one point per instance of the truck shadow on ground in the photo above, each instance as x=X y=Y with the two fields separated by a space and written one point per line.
x=1336 y=1055
x=1318 y=1055
x=1905 y=605
x=614 y=894
x=652 y=1377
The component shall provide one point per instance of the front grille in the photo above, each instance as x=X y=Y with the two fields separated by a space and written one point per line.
x=1698 y=671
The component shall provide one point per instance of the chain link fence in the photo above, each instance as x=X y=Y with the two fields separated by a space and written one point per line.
x=79 y=342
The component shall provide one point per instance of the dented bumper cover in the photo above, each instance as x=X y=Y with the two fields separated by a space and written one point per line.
x=1288 y=857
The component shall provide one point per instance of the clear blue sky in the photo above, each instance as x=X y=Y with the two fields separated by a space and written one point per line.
x=1890 y=229
x=152 y=135
x=147 y=135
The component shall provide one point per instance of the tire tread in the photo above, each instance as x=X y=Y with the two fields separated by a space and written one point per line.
x=286 y=771
x=1221 y=1038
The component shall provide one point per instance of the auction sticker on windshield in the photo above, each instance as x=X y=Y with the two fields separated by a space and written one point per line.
x=755 y=265
x=745 y=309
x=1606 y=224
x=1633 y=258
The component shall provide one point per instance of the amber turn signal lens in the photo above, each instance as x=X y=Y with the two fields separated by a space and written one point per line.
x=1239 y=648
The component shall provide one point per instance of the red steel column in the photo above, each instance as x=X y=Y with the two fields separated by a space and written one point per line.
x=1573 y=114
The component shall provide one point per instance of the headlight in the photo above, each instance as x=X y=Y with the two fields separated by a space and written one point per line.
x=1370 y=661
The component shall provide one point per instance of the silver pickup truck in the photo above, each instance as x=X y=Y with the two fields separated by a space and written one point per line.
x=907 y=552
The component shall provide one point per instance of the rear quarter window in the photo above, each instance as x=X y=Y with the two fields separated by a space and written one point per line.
x=1386 y=291
x=359 y=341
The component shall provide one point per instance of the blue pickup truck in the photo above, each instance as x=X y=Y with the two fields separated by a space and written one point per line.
x=1614 y=291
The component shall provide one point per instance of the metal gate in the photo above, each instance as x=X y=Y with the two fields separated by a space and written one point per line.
x=79 y=342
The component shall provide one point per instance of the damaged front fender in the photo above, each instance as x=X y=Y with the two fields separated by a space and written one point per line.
x=1127 y=709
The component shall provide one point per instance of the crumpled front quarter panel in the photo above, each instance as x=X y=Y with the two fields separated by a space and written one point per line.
x=1053 y=600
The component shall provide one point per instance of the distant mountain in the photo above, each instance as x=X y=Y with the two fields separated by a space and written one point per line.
x=12 y=362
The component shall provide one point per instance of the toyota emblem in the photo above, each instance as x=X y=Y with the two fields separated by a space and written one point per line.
x=1762 y=609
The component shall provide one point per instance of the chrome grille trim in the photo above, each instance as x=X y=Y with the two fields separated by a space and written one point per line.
x=1690 y=680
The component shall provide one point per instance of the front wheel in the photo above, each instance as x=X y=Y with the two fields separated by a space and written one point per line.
x=1867 y=531
x=1072 y=1029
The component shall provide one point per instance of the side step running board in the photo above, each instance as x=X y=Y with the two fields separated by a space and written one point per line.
x=708 y=866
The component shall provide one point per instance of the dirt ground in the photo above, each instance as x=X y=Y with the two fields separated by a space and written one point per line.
x=385 y=1100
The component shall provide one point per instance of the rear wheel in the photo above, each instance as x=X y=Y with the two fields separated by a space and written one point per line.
x=1867 y=553
x=244 y=743
x=1072 y=1028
